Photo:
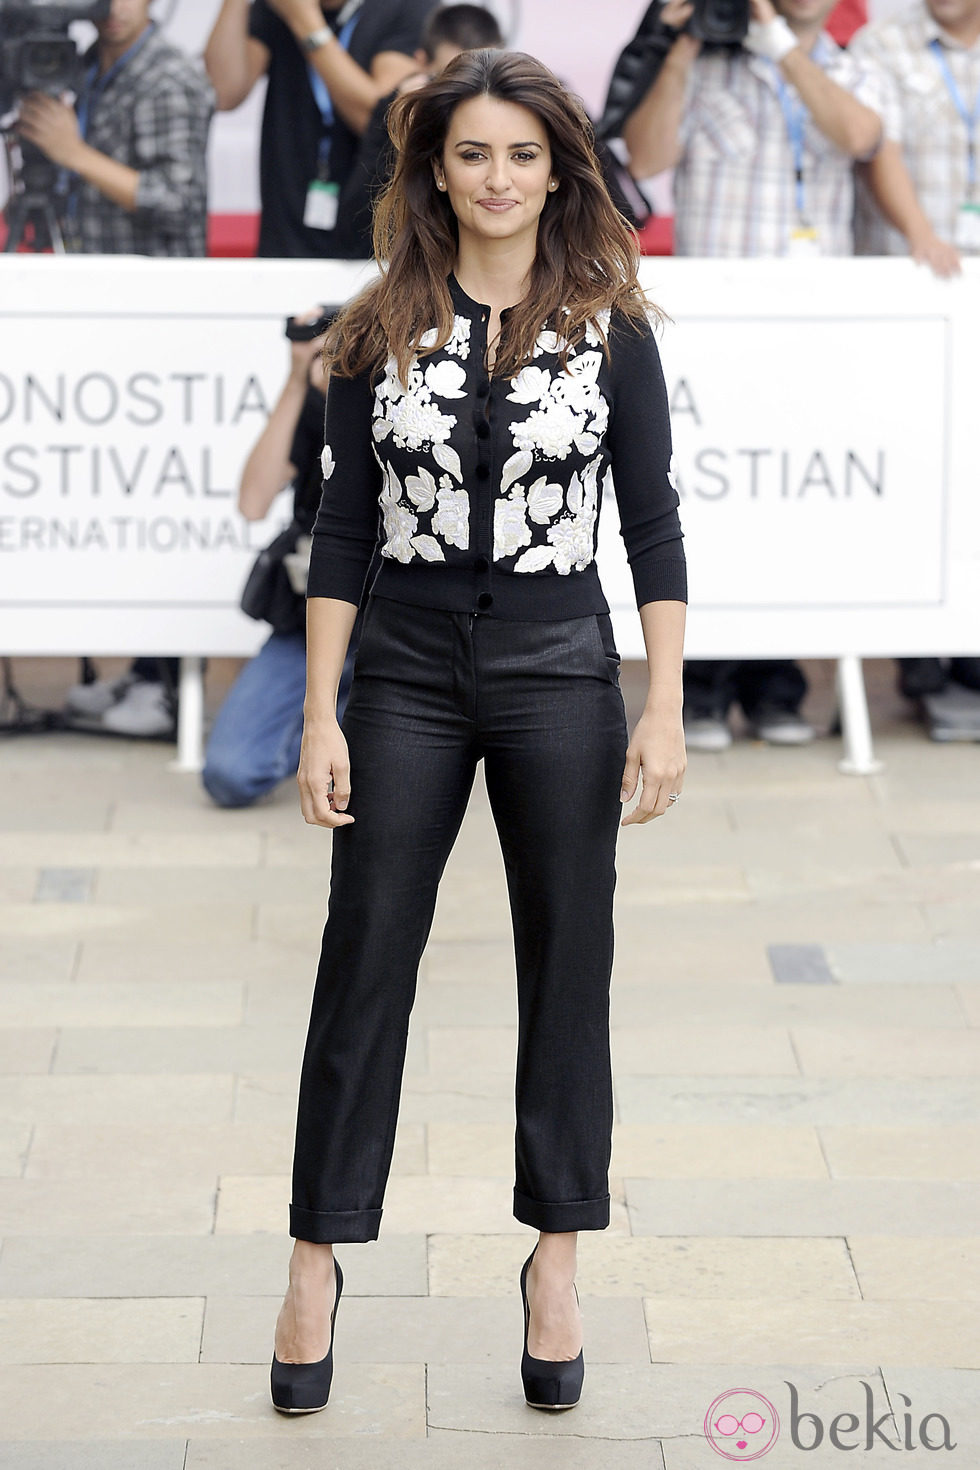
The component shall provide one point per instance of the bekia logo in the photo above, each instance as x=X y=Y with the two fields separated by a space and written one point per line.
x=741 y=1424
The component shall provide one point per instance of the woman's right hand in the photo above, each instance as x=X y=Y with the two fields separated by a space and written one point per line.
x=324 y=777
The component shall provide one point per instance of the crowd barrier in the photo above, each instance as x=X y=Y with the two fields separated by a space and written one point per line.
x=825 y=451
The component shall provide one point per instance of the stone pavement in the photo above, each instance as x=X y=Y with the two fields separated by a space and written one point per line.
x=796 y=1173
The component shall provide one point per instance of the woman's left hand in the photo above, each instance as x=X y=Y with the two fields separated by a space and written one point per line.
x=657 y=752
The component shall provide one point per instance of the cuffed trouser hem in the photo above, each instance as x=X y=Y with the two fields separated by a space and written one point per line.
x=332 y=1227
x=556 y=1218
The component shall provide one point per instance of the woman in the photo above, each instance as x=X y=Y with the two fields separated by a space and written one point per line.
x=480 y=390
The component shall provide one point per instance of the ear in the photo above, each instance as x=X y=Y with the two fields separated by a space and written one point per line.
x=437 y=173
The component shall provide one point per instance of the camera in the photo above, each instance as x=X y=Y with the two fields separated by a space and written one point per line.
x=36 y=52
x=720 y=22
x=307 y=331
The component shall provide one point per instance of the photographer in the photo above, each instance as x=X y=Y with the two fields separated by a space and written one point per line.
x=328 y=63
x=763 y=138
x=255 y=741
x=134 y=145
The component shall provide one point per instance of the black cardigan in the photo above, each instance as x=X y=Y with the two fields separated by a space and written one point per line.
x=489 y=487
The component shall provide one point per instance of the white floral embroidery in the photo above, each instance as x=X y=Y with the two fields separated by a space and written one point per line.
x=421 y=489
x=551 y=430
x=452 y=520
x=327 y=461
x=544 y=501
x=399 y=523
x=592 y=336
x=446 y=379
x=530 y=386
x=510 y=528
x=573 y=536
x=535 y=560
x=428 y=548
x=459 y=342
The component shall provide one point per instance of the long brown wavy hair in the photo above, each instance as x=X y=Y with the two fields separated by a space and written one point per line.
x=586 y=259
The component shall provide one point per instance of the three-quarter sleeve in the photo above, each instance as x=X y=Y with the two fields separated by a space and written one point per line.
x=346 y=527
x=640 y=449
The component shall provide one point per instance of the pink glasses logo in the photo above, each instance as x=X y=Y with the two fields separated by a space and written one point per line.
x=741 y=1424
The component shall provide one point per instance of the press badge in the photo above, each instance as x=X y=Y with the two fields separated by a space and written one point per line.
x=322 y=199
x=804 y=242
x=967 y=236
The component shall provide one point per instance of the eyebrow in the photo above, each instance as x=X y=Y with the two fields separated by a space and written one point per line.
x=475 y=143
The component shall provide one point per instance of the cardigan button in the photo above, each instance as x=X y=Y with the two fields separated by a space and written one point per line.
x=483 y=429
x=484 y=601
x=483 y=472
x=482 y=564
x=482 y=390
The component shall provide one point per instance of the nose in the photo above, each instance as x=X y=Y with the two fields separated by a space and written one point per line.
x=498 y=174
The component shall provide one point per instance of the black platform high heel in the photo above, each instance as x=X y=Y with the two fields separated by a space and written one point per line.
x=548 y=1385
x=304 y=1388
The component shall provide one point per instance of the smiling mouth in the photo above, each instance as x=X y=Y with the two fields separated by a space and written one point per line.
x=497 y=205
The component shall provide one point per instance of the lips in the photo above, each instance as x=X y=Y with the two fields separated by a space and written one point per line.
x=497 y=206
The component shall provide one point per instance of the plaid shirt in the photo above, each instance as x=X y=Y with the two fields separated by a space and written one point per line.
x=153 y=116
x=920 y=115
x=735 y=185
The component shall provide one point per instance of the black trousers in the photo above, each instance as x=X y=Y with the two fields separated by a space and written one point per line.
x=433 y=693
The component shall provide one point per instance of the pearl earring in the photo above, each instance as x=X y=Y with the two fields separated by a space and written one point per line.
x=553 y=184
x=440 y=183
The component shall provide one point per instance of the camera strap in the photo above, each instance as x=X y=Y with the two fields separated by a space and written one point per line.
x=95 y=84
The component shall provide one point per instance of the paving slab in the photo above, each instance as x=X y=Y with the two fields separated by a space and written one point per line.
x=127 y=851
x=15 y=1143
x=208 y=1400
x=801 y=1207
x=947 y=1151
x=888 y=1051
x=193 y=884
x=440 y=1450
x=25 y=1052
x=156 y=1151
x=233 y=960
x=832 y=1332
x=941 y=963
x=178 y=1002
x=901 y=1268
x=726 y=1266
x=187 y=1048
x=126 y=924
x=191 y=1266
x=103 y=1454
x=38 y=960
x=76 y=1330
x=90 y=1207
x=107 y=1099
x=817 y=1100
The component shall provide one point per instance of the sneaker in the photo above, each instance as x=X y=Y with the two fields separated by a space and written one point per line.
x=707 y=732
x=145 y=709
x=781 y=727
x=91 y=701
x=918 y=677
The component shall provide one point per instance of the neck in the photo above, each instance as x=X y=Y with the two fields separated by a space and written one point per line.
x=109 y=54
x=805 y=32
x=495 y=272
x=967 y=32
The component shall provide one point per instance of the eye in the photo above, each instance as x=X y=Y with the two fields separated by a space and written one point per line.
x=524 y=157
x=472 y=155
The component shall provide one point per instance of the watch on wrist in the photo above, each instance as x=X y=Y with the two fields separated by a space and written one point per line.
x=316 y=39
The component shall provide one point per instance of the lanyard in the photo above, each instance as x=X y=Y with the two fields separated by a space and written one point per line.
x=321 y=94
x=795 y=115
x=970 y=119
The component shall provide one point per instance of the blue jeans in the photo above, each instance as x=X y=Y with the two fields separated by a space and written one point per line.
x=255 y=741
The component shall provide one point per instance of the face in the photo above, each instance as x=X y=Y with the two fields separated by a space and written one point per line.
x=127 y=21
x=496 y=168
x=951 y=14
x=444 y=53
x=805 y=12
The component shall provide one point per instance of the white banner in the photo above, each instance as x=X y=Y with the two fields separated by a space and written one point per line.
x=824 y=450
